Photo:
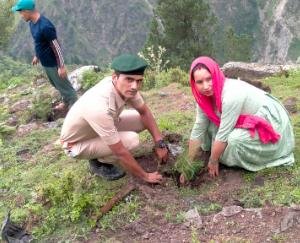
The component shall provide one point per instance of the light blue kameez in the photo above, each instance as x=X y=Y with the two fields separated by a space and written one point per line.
x=242 y=150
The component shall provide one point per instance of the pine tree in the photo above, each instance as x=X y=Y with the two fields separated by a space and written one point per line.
x=184 y=28
x=6 y=22
x=237 y=47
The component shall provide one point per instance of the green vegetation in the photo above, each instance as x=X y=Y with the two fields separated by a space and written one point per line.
x=188 y=168
x=237 y=47
x=194 y=236
x=93 y=34
x=161 y=79
x=294 y=50
x=6 y=22
x=58 y=198
x=209 y=208
x=277 y=189
x=13 y=73
x=90 y=78
x=185 y=36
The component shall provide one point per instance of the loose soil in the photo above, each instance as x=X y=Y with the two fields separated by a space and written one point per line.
x=161 y=204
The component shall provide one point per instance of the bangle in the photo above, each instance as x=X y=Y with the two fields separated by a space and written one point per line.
x=214 y=162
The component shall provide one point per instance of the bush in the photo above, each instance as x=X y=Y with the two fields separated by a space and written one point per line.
x=13 y=73
x=164 y=78
x=90 y=78
x=41 y=106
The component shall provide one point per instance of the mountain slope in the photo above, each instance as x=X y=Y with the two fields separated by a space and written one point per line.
x=93 y=32
x=90 y=32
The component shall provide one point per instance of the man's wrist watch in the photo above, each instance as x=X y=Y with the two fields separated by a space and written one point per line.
x=160 y=144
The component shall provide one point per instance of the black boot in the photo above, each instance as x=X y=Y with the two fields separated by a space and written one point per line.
x=107 y=171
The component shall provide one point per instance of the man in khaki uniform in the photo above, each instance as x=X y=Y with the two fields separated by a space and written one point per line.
x=97 y=127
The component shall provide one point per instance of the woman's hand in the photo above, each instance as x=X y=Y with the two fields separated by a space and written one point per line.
x=182 y=179
x=213 y=168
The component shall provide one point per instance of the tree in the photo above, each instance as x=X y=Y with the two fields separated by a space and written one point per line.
x=184 y=28
x=237 y=47
x=6 y=22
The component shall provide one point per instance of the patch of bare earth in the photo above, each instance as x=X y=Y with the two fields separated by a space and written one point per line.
x=170 y=98
x=162 y=204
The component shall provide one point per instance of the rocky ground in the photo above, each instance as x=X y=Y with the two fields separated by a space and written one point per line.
x=238 y=206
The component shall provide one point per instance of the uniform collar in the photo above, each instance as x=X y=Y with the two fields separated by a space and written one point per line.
x=119 y=100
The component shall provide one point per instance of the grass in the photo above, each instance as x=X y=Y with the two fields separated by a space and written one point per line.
x=277 y=190
x=58 y=198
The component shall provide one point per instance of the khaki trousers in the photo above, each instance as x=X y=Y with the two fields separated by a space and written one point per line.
x=129 y=125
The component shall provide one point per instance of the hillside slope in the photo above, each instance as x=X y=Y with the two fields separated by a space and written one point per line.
x=95 y=31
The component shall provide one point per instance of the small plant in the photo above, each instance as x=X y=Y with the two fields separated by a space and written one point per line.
x=155 y=79
x=41 y=106
x=6 y=130
x=208 y=208
x=172 y=75
x=154 y=58
x=194 y=236
x=187 y=167
x=90 y=78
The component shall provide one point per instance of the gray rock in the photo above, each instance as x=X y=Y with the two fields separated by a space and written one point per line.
x=289 y=221
x=175 y=149
x=258 y=211
x=193 y=218
x=295 y=207
x=51 y=125
x=41 y=81
x=12 y=121
x=4 y=100
x=20 y=106
x=25 y=129
x=76 y=76
x=291 y=104
x=252 y=71
x=163 y=94
x=26 y=92
x=231 y=210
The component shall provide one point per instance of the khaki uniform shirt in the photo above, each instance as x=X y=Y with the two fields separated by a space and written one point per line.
x=96 y=113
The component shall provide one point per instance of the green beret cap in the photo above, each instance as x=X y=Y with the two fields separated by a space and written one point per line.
x=129 y=64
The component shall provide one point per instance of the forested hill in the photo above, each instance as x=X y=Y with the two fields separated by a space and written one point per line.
x=90 y=31
x=95 y=31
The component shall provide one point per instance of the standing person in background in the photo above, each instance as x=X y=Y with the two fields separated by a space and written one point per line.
x=47 y=51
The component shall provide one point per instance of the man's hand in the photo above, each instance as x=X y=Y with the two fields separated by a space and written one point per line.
x=162 y=154
x=154 y=177
x=213 y=168
x=62 y=72
x=35 y=61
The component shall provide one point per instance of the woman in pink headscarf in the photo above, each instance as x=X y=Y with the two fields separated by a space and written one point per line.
x=240 y=124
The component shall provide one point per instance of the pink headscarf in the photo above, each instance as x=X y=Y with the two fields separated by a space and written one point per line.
x=253 y=123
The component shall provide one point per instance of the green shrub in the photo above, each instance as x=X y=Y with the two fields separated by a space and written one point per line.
x=187 y=167
x=13 y=73
x=90 y=78
x=164 y=78
x=172 y=75
x=6 y=130
x=41 y=108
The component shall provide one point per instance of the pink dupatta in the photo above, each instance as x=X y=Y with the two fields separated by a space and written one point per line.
x=253 y=123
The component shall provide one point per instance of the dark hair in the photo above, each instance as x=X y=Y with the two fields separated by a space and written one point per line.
x=197 y=67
